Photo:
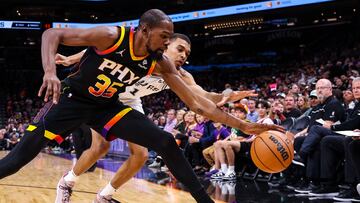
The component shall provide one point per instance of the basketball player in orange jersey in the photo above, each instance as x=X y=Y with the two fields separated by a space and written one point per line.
x=178 y=51
x=91 y=95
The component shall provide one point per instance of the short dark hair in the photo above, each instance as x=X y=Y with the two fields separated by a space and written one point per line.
x=153 y=18
x=263 y=103
x=180 y=36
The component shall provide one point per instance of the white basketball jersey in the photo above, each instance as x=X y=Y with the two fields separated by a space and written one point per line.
x=147 y=85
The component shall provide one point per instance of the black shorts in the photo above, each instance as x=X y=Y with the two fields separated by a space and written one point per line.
x=59 y=120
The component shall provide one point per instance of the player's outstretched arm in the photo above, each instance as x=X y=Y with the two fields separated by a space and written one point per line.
x=218 y=99
x=99 y=37
x=204 y=106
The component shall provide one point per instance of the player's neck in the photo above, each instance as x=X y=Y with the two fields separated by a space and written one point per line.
x=139 y=45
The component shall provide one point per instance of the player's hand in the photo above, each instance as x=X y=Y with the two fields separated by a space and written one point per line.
x=51 y=84
x=62 y=60
x=257 y=128
x=236 y=96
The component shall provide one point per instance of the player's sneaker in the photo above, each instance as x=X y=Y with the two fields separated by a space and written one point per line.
x=64 y=190
x=104 y=199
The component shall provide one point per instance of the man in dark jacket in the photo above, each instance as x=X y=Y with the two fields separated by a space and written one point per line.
x=335 y=148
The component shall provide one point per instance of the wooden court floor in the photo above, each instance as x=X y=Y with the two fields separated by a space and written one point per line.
x=36 y=183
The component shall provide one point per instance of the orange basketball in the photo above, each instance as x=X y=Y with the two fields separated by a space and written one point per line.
x=272 y=151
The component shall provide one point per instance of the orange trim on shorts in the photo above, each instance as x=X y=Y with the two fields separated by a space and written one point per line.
x=114 y=120
x=131 y=45
x=51 y=136
x=115 y=46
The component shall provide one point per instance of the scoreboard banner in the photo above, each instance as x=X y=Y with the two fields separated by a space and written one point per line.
x=25 y=25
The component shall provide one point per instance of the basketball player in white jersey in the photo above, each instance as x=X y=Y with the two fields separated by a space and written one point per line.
x=178 y=52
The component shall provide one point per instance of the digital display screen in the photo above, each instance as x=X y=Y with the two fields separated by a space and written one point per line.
x=203 y=14
x=26 y=25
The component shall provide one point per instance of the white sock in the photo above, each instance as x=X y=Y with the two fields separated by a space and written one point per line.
x=224 y=168
x=108 y=190
x=231 y=169
x=71 y=177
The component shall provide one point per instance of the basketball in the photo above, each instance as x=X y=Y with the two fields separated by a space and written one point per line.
x=272 y=151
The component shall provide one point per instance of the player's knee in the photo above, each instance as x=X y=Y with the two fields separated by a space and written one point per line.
x=102 y=147
x=141 y=154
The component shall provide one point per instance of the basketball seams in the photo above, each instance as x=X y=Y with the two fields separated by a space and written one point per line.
x=272 y=152
x=258 y=158
x=292 y=152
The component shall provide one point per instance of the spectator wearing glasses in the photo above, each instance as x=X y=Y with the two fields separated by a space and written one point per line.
x=331 y=111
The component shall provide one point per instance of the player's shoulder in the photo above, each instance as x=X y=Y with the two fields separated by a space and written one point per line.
x=110 y=31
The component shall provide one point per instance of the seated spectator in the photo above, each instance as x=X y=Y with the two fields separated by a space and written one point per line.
x=181 y=135
x=335 y=148
x=193 y=149
x=307 y=147
x=252 y=115
x=348 y=100
x=276 y=112
x=313 y=102
x=3 y=142
x=303 y=104
x=13 y=139
x=180 y=125
x=263 y=107
x=161 y=122
x=226 y=149
x=295 y=89
x=170 y=120
x=290 y=107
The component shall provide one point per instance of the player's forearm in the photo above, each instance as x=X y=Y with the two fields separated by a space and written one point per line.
x=212 y=96
x=49 y=44
x=208 y=109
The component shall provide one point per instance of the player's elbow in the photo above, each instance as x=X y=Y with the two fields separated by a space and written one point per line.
x=51 y=34
x=47 y=33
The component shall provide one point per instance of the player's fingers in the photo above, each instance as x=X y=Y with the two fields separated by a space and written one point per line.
x=48 y=92
x=252 y=93
x=56 y=93
x=43 y=86
x=279 y=128
x=59 y=61
x=223 y=101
